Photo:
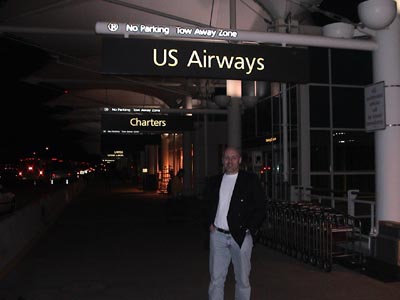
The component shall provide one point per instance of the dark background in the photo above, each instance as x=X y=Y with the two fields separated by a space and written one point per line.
x=27 y=125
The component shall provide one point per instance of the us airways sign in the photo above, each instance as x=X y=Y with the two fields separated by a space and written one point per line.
x=149 y=57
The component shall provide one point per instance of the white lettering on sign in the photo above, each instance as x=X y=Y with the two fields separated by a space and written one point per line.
x=128 y=29
x=142 y=28
x=166 y=58
x=227 y=33
x=184 y=31
x=154 y=29
x=177 y=31
x=375 y=107
x=136 y=122
x=132 y=28
x=236 y=62
x=205 y=32
x=169 y=58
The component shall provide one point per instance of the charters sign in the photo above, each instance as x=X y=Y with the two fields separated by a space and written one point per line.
x=137 y=120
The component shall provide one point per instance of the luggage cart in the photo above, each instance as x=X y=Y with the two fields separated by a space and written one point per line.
x=268 y=227
x=346 y=239
x=324 y=258
x=316 y=236
x=312 y=233
x=301 y=232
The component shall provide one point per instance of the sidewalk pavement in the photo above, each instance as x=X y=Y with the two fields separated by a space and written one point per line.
x=115 y=243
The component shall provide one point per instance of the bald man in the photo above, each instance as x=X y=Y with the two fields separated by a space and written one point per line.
x=235 y=212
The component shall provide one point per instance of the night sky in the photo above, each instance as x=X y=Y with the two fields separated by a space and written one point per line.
x=26 y=124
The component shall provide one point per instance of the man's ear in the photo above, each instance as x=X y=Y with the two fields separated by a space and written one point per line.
x=240 y=160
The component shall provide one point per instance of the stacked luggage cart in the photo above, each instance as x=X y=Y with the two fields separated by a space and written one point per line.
x=312 y=233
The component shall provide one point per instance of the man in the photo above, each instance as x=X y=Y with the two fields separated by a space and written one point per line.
x=174 y=201
x=235 y=212
x=177 y=185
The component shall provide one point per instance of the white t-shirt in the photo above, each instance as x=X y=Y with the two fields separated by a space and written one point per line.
x=225 y=195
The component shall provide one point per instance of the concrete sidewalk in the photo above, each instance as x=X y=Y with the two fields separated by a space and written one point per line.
x=115 y=243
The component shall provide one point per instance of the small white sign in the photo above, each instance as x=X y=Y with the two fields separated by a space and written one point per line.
x=374 y=99
x=257 y=158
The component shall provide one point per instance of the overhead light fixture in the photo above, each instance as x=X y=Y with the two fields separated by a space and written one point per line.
x=222 y=100
x=338 y=30
x=377 y=14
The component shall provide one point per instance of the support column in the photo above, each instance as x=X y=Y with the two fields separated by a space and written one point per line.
x=187 y=155
x=285 y=142
x=152 y=159
x=164 y=152
x=234 y=123
x=386 y=66
x=304 y=136
x=205 y=118
x=234 y=90
x=187 y=163
x=285 y=133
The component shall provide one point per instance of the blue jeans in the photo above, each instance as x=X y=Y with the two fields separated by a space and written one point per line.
x=223 y=250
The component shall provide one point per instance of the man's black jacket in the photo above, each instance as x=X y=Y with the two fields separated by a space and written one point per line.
x=247 y=208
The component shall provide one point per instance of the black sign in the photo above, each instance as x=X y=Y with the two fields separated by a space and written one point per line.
x=128 y=143
x=150 y=57
x=120 y=123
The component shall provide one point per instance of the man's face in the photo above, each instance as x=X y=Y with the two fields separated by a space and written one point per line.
x=231 y=161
